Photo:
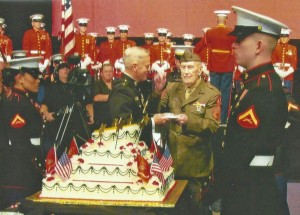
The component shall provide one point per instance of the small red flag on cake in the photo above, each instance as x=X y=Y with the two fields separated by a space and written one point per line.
x=143 y=168
x=51 y=160
x=73 y=149
x=155 y=149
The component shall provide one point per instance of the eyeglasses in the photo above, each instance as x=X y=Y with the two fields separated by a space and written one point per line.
x=123 y=31
x=110 y=33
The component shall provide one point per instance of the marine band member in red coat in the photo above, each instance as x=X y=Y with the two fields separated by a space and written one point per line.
x=149 y=37
x=6 y=45
x=121 y=45
x=37 y=42
x=221 y=61
x=107 y=47
x=162 y=56
x=285 y=59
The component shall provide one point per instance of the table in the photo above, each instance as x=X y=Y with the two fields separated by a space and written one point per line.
x=35 y=205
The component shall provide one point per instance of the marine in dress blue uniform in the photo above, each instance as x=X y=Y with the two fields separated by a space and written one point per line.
x=256 y=121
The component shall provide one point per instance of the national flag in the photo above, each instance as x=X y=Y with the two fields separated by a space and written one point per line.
x=166 y=161
x=157 y=170
x=73 y=149
x=143 y=168
x=63 y=167
x=51 y=160
x=67 y=29
x=155 y=149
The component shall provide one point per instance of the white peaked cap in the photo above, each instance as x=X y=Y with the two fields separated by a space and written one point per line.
x=249 y=22
x=93 y=34
x=285 y=31
x=188 y=36
x=30 y=62
x=169 y=34
x=111 y=29
x=149 y=35
x=222 y=12
x=123 y=27
x=36 y=16
x=56 y=57
x=83 y=20
x=19 y=53
x=162 y=30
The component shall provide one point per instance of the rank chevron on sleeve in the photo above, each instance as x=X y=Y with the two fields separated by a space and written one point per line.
x=18 y=121
x=248 y=118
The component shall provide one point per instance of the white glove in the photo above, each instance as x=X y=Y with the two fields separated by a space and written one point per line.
x=43 y=66
x=87 y=60
x=241 y=69
x=282 y=73
x=204 y=69
x=8 y=58
x=1 y=59
x=82 y=65
x=120 y=65
x=99 y=65
x=160 y=67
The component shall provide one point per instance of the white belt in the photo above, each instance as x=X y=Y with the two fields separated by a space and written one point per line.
x=37 y=52
x=262 y=161
x=35 y=141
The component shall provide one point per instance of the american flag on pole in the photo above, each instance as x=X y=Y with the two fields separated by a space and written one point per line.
x=67 y=28
x=63 y=167
x=166 y=161
x=156 y=169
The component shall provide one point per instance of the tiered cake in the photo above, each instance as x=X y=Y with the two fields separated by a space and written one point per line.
x=107 y=168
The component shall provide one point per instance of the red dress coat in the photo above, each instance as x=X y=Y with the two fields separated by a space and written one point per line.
x=37 y=43
x=220 y=58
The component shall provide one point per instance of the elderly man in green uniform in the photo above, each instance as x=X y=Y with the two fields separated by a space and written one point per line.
x=256 y=122
x=196 y=108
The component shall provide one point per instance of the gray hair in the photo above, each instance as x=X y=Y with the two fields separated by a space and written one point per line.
x=134 y=55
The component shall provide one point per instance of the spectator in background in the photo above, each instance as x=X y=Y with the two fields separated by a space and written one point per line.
x=38 y=42
x=101 y=91
x=221 y=61
x=285 y=59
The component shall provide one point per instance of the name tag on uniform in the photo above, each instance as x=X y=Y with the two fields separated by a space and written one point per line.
x=262 y=161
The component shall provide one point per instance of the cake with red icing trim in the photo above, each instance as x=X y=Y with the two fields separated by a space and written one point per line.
x=115 y=165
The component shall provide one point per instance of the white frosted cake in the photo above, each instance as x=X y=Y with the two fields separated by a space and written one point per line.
x=107 y=169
